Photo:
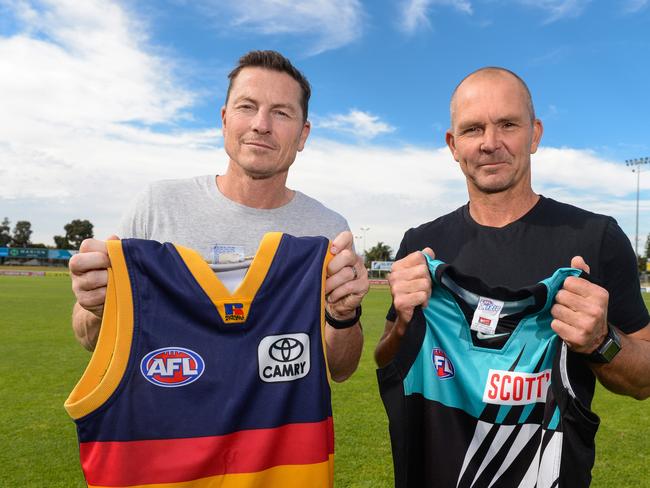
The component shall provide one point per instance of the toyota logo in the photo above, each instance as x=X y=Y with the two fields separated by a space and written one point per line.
x=286 y=349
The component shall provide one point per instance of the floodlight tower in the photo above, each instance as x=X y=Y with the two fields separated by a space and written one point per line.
x=636 y=164
x=364 y=230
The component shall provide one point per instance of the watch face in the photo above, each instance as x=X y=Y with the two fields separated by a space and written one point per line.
x=609 y=349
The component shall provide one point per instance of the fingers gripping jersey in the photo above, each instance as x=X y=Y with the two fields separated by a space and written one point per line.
x=193 y=386
x=477 y=409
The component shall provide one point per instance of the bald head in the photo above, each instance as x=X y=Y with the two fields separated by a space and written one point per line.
x=493 y=72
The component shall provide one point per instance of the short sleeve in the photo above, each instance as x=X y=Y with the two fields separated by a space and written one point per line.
x=620 y=276
x=134 y=221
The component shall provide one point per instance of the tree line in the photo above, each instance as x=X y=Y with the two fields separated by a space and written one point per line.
x=383 y=252
x=75 y=232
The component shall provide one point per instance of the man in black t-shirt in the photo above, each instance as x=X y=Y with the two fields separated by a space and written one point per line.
x=507 y=235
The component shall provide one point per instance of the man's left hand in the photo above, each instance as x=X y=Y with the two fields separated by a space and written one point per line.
x=580 y=311
x=347 y=278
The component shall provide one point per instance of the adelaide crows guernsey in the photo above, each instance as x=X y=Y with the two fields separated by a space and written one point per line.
x=474 y=406
x=193 y=386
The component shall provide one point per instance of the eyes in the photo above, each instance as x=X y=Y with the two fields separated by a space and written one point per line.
x=250 y=108
x=473 y=130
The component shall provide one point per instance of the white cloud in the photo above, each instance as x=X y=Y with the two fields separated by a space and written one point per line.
x=392 y=189
x=362 y=125
x=558 y=9
x=327 y=24
x=632 y=6
x=81 y=95
x=415 y=13
x=82 y=64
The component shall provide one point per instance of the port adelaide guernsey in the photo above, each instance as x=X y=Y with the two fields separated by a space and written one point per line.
x=194 y=386
x=479 y=393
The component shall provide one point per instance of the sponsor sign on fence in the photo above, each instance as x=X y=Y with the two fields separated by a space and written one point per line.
x=381 y=265
x=15 y=272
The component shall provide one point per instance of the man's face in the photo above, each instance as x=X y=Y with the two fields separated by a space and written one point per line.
x=263 y=125
x=492 y=136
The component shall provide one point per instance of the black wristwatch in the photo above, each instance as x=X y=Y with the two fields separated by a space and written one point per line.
x=609 y=348
x=343 y=324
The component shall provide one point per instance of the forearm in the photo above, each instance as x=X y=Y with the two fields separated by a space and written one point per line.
x=343 y=348
x=388 y=344
x=86 y=326
x=629 y=372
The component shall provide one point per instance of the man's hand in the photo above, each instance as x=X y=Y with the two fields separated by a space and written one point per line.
x=88 y=270
x=410 y=286
x=345 y=287
x=89 y=275
x=347 y=279
x=580 y=312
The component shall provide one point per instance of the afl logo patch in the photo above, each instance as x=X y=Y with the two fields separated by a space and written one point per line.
x=443 y=366
x=283 y=357
x=172 y=366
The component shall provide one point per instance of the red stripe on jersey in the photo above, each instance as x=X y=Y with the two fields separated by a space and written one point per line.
x=127 y=463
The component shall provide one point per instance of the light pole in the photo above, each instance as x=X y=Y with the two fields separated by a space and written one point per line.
x=636 y=167
x=364 y=229
x=358 y=241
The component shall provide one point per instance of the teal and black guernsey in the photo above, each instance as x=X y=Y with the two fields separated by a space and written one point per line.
x=472 y=408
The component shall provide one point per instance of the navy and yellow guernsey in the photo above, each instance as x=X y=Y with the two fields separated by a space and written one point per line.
x=193 y=386
x=470 y=408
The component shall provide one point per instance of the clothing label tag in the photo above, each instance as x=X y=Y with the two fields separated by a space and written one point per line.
x=486 y=315
x=225 y=254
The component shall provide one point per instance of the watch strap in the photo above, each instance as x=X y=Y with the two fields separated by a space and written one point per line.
x=343 y=324
x=608 y=349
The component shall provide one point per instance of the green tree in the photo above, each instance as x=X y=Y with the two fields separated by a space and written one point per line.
x=75 y=232
x=5 y=233
x=60 y=242
x=379 y=252
x=22 y=233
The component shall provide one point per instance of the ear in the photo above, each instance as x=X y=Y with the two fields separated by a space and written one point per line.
x=304 y=133
x=451 y=143
x=223 y=118
x=538 y=130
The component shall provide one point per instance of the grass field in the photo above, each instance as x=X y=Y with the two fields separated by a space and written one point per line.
x=40 y=363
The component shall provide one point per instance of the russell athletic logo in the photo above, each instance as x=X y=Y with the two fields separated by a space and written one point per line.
x=443 y=365
x=234 y=312
x=513 y=388
x=283 y=357
x=172 y=366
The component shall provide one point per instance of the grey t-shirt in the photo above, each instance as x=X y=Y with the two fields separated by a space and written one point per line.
x=192 y=212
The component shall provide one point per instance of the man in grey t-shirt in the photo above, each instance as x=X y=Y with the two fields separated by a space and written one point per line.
x=264 y=126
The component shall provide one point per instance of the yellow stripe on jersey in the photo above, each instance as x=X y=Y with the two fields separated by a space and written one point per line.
x=108 y=362
x=320 y=475
x=326 y=262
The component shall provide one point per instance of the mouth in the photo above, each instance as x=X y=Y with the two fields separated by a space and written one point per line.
x=491 y=164
x=259 y=144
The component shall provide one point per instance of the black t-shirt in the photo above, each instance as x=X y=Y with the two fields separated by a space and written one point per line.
x=530 y=249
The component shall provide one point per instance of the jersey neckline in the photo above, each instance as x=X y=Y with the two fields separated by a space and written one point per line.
x=233 y=306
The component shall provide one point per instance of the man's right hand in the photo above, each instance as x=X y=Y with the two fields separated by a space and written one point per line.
x=88 y=270
x=410 y=286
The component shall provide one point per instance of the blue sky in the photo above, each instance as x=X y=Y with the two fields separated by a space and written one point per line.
x=98 y=98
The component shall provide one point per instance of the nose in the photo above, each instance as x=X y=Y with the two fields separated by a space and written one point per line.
x=261 y=123
x=491 y=140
